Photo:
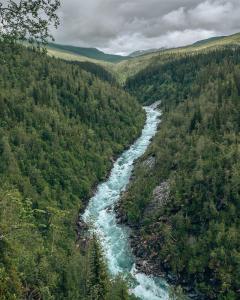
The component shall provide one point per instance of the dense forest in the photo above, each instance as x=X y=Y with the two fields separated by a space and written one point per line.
x=61 y=125
x=184 y=197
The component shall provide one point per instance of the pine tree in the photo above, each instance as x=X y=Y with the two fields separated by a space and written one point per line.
x=98 y=280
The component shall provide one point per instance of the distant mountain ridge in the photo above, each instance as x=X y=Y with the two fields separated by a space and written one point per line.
x=211 y=39
x=92 y=53
x=95 y=55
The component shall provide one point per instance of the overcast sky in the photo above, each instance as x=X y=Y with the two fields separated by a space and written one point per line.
x=123 y=26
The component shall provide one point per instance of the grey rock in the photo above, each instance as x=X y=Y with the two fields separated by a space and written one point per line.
x=149 y=162
x=159 y=199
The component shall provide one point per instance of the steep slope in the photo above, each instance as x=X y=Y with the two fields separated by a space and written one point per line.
x=60 y=127
x=184 y=199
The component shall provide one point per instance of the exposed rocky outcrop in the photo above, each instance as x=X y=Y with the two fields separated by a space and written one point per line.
x=83 y=236
x=159 y=199
x=149 y=162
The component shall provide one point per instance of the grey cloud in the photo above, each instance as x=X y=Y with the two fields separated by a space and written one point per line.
x=122 y=26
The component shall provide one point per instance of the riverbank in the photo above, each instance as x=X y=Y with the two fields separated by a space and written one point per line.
x=149 y=264
x=145 y=250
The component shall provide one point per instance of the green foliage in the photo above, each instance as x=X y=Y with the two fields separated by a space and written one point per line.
x=61 y=124
x=59 y=127
x=196 y=233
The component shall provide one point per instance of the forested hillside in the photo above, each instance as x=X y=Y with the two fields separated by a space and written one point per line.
x=184 y=197
x=60 y=127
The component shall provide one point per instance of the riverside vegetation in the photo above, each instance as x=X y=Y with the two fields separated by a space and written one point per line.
x=60 y=126
x=194 y=234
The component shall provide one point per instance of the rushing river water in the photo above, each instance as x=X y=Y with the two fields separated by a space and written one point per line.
x=114 y=238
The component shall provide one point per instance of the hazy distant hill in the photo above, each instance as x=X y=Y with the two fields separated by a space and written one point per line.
x=206 y=41
x=143 y=52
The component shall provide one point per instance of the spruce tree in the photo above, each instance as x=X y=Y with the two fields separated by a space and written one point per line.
x=98 y=280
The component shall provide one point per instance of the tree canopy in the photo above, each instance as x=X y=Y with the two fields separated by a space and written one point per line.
x=61 y=125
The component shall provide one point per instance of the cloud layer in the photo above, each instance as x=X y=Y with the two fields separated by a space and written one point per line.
x=123 y=26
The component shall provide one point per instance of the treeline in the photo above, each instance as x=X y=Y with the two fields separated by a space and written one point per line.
x=195 y=233
x=60 y=127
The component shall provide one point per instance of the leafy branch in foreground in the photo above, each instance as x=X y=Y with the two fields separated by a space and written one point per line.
x=28 y=19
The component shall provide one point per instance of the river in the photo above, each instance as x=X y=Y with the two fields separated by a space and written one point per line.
x=114 y=238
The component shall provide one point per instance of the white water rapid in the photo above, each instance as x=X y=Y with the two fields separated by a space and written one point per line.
x=114 y=238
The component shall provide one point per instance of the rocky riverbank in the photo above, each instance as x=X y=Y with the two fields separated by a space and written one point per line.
x=145 y=250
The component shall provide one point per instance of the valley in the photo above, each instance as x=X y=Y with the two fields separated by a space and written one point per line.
x=74 y=116
x=129 y=66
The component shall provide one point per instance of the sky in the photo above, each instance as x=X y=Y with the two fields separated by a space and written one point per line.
x=124 y=26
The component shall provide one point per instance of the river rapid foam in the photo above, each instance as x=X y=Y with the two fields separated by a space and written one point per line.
x=114 y=238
